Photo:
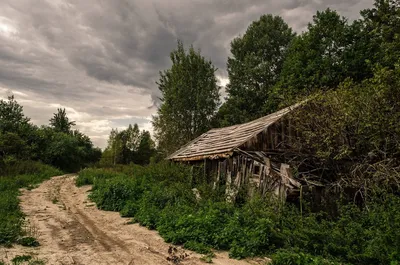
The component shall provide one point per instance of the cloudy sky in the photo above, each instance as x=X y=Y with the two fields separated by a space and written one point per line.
x=100 y=59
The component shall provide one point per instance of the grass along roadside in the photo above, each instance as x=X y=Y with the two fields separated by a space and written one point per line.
x=160 y=197
x=24 y=260
x=21 y=174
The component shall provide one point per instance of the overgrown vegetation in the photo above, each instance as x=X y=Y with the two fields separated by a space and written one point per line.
x=289 y=257
x=350 y=138
x=345 y=151
x=57 y=145
x=160 y=197
x=15 y=175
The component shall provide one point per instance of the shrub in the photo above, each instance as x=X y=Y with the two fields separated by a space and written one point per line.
x=27 y=167
x=288 y=257
x=19 y=174
x=203 y=224
x=87 y=176
x=160 y=197
x=21 y=259
x=198 y=247
x=28 y=242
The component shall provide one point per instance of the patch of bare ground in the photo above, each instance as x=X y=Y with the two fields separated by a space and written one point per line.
x=71 y=230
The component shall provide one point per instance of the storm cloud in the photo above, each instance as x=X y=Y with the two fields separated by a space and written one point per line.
x=100 y=59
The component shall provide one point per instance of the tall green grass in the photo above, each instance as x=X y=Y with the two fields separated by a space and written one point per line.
x=89 y=176
x=160 y=197
x=14 y=176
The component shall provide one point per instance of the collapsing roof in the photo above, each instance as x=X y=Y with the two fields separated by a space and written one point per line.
x=222 y=142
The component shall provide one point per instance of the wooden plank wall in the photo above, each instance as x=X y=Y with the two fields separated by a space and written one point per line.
x=258 y=175
x=241 y=171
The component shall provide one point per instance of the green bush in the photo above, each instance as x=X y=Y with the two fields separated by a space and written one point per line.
x=288 y=257
x=87 y=176
x=203 y=223
x=20 y=174
x=28 y=241
x=198 y=247
x=160 y=197
x=20 y=259
x=27 y=167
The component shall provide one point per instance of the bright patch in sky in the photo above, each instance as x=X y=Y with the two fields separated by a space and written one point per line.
x=223 y=81
x=6 y=29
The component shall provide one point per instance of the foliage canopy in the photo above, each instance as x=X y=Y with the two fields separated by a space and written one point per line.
x=57 y=145
x=254 y=68
x=190 y=98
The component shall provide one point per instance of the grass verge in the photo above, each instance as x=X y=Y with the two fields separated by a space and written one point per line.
x=160 y=197
x=21 y=174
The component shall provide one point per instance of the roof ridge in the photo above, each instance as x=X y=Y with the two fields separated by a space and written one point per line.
x=228 y=138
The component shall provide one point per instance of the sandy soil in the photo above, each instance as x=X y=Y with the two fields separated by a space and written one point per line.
x=71 y=230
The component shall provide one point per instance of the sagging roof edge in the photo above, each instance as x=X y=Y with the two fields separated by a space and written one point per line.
x=216 y=155
x=181 y=149
x=202 y=157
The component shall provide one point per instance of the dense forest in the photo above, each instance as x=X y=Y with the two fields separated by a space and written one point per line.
x=347 y=76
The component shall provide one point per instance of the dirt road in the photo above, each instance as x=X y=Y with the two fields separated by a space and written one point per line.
x=71 y=230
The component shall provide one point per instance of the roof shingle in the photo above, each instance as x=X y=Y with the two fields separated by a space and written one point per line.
x=221 y=142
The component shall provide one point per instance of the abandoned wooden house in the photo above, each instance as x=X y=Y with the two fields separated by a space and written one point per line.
x=243 y=156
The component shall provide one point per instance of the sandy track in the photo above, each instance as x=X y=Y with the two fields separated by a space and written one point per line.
x=71 y=230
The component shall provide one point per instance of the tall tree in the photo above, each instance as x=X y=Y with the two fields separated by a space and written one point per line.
x=254 y=68
x=15 y=131
x=324 y=56
x=128 y=146
x=60 y=122
x=113 y=153
x=190 y=98
x=130 y=140
x=133 y=137
x=146 y=149
x=12 y=118
x=382 y=31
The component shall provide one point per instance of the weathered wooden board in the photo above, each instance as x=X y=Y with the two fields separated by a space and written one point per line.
x=221 y=142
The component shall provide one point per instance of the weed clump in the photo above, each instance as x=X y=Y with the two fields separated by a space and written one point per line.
x=24 y=259
x=28 y=242
x=21 y=259
x=198 y=247
x=286 y=257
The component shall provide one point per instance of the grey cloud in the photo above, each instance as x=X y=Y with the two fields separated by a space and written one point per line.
x=12 y=78
x=102 y=58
